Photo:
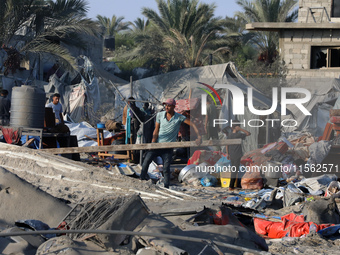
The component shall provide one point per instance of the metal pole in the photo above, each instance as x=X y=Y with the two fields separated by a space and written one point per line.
x=141 y=141
x=131 y=87
x=267 y=131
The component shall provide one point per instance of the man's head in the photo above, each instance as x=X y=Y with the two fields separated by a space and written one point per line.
x=145 y=106
x=170 y=105
x=55 y=98
x=236 y=126
x=131 y=102
x=4 y=92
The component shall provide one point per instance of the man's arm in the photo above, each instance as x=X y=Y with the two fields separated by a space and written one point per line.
x=155 y=133
x=199 y=137
x=247 y=133
x=61 y=118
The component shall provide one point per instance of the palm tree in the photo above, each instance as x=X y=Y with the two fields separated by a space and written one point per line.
x=267 y=11
x=188 y=30
x=113 y=25
x=49 y=26
x=139 y=25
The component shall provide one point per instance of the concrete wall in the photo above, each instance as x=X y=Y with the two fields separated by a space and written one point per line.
x=295 y=49
x=304 y=6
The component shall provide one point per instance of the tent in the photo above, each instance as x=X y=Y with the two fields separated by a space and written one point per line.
x=185 y=83
x=324 y=93
x=92 y=93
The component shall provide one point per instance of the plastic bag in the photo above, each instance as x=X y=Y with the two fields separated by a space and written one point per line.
x=222 y=164
x=333 y=189
x=209 y=181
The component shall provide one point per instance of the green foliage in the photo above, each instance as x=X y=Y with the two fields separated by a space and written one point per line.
x=49 y=23
x=267 y=11
x=112 y=26
x=185 y=32
x=265 y=76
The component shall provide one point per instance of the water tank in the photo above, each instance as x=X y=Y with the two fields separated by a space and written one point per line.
x=27 y=107
x=110 y=43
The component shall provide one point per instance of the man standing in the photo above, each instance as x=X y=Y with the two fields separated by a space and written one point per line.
x=5 y=106
x=235 y=152
x=210 y=130
x=166 y=130
x=58 y=112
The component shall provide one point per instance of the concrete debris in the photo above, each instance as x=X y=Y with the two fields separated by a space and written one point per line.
x=66 y=194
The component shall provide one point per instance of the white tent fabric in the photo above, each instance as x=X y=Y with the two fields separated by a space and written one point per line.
x=83 y=128
x=77 y=101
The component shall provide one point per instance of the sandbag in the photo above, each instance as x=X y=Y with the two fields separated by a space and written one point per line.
x=334 y=112
x=252 y=179
x=111 y=125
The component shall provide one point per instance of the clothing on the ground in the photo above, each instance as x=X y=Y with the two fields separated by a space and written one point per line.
x=166 y=155
x=57 y=109
x=168 y=130
x=5 y=106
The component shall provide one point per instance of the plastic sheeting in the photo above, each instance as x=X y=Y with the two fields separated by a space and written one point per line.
x=318 y=151
x=83 y=128
x=318 y=183
x=322 y=91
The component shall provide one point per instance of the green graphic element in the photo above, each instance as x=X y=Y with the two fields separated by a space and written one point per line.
x=208 y=92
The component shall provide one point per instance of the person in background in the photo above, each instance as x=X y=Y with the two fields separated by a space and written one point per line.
x=5 y=107
x=149 y=126
x=58 y=112
x=235 y=152
x=166 y=130
x=210 y=130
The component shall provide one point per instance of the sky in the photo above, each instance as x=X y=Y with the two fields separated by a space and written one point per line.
x=132 y=9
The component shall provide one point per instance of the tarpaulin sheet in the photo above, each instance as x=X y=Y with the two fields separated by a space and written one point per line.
x=292 y=225
x=210 y=157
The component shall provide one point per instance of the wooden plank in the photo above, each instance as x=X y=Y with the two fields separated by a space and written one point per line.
x=145 y=146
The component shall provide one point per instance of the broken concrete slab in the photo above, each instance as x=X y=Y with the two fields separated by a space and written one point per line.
x=21 y=200
x=322 y=211
x=66 y=246
x=19 y=245
x=228 y=234
x=127 y=217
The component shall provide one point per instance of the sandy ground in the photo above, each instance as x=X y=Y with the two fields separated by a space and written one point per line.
x=73 y=181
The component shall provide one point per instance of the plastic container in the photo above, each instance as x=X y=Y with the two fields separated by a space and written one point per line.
x=100 y=125
x=27 y=107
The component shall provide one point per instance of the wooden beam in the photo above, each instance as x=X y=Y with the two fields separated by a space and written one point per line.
x=144 y=146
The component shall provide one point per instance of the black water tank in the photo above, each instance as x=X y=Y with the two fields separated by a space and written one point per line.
x=28 y=107
x=109 y=43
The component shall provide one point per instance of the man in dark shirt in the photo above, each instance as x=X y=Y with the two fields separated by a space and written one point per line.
x=235 y=152
x=5 y=106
